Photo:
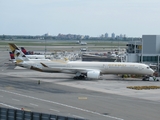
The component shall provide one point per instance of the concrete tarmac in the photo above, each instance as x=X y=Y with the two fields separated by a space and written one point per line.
x=105 y=99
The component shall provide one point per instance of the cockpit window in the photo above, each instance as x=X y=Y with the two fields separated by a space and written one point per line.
x=147 y=67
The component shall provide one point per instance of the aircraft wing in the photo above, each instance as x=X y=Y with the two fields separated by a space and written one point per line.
x=73 y=70
x=80 y=72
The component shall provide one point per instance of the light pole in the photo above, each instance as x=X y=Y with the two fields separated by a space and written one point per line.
x=142 y=52
x=45 y=48
x=158 y=66
x=118 y=46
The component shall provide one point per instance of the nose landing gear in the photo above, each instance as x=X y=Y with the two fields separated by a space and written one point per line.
x=150 y=78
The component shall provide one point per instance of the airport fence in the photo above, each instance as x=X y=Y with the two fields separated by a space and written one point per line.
x=13 y=114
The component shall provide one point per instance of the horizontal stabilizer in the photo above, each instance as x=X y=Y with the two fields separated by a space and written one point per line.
x=44 y=65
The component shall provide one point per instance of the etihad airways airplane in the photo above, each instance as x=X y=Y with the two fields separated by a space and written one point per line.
x=81 y=69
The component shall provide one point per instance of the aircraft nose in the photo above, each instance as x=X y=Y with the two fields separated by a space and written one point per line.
x=152 y=71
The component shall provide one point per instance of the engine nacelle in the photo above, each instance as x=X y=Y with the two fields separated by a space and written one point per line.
x=93 y=74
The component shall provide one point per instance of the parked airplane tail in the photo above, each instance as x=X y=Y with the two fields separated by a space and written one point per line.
x=18 y=54
x=11 y=55
x=12 y=58
x=24 y=50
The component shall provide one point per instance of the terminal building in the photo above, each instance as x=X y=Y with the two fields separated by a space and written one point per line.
x=145 y=51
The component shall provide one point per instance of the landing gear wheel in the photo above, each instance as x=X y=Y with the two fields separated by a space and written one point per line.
x=79 y=77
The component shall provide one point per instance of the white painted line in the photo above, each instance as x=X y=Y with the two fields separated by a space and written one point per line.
x=15 y=99
x=78 y=116
x=33 y=104
x=64 y=105
x=54 y=110
x=9 y=106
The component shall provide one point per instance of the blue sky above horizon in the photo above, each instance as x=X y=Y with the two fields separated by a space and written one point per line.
x=85 y=17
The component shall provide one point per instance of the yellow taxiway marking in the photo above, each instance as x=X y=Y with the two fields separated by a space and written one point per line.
x=9 y=88
x=24 y=109
x=82 y=98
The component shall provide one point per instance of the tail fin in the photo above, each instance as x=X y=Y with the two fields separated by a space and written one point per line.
x=11 y=55
x=24 y=50
x=12 y=58
x=18 y=54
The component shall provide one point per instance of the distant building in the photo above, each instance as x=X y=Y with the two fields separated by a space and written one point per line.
x=102 y=36
x=47 y=34
x=121 y=37
x=106 y=35
x=113 y=35
x=147 y=50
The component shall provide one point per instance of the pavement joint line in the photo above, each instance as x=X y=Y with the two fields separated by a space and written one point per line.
x=33 y=104
x=10 y=106
x=78 y=116
x=15 y=99
x=65 y=105
x=54 y=110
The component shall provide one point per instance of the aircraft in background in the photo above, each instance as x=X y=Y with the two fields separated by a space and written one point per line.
x=26 y=52
x=30 y=57
x=29 y=54
x=81 y=43
x=12 y=58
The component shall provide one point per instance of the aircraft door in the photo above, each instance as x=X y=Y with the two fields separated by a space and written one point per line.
x=68 y=66
x=140 y=68
x=105 y=66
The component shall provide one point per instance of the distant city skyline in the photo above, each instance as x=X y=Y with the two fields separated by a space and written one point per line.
x=133 y=18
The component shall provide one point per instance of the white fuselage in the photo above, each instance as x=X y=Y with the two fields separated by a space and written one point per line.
x=103 y=67
x=36 y=56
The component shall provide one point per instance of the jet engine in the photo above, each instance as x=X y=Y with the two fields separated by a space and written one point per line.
x=93 y=74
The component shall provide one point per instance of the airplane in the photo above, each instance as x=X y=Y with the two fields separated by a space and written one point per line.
x=25 y=51
x=12 y=58
x=82 y=70
x=27 y=60
x=30 y=59
x=30 y=54
x=81 y=43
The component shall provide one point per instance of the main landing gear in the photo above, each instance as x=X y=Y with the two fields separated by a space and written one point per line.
x=81 y=77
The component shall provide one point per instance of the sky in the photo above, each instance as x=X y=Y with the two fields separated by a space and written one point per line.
x=133 y=18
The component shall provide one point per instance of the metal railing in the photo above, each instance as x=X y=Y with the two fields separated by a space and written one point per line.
x=13 y=114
